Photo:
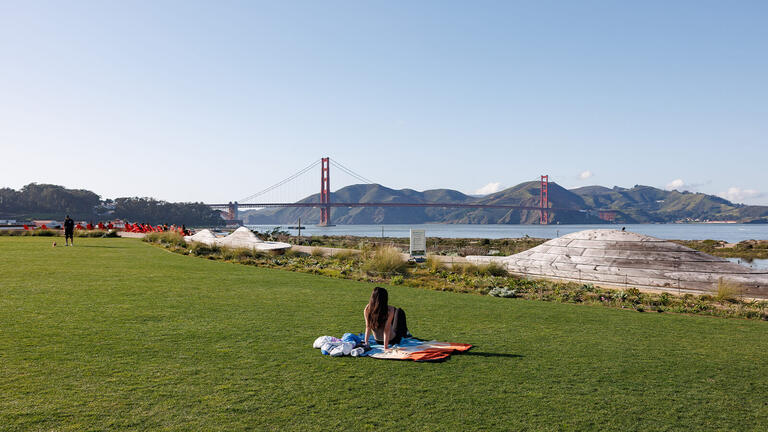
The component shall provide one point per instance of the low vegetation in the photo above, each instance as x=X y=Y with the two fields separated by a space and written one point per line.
x=437 y=246
x=57 y=233
x=386 y=265
x=728 y=291
x=385 y=261
x=168 y=238
x=747 y=249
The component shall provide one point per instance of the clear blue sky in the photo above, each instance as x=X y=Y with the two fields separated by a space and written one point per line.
x=213 y=101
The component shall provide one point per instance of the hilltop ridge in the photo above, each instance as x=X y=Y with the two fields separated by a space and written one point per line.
x=639 y=204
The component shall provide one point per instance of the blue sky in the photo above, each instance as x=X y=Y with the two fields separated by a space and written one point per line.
x=212 y=101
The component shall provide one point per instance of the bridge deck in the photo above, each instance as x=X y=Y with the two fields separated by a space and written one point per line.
x=390 y=204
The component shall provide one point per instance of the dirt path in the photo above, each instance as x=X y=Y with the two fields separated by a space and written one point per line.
x=328 y=251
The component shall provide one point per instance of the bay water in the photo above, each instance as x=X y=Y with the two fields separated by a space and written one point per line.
x=731 y=233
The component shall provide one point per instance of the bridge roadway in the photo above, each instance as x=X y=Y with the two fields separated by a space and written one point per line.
x=389 y=204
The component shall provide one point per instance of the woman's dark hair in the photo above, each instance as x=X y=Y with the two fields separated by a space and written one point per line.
x=378 y=308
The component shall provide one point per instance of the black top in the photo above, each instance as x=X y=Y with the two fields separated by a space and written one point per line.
x=69 y=225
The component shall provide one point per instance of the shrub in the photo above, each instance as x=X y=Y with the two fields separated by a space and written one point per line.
x=665 y=299
x=434 y=264
x=96 y=233
x=317 y=252
x=471 y=269
x=727 y=291
x=41 y=233
x=503 y=292
x=495 y=269
x=490 y=269
x=385 y=260
x=238 y=254
x=291 y=253
x=397 y=280
x=166 y=238
x=200 y=249
x=346 y=255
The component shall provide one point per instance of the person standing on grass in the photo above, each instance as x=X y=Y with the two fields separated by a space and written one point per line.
x=387 y=323
x=69 y=231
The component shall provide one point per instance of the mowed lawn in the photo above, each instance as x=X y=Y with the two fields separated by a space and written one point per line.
x=115 y=334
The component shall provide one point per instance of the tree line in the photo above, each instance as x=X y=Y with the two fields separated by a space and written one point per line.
x=152 y=211
x=47 y=201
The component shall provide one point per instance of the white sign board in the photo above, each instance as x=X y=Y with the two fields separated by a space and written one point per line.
x=418 y=243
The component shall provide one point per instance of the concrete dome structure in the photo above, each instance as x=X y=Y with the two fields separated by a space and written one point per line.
x=240 y=238
x=619 y=258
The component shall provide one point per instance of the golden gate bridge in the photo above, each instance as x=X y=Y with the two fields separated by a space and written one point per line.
x=325 y=204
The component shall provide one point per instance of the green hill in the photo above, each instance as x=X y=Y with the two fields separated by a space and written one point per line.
x=526 y=194
x=368 y=215
x=646 y=204
x=639 y=204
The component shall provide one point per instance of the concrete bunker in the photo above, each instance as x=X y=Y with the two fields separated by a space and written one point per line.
x=625 y=259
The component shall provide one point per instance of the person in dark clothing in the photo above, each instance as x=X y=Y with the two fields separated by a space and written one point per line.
x=69 y=231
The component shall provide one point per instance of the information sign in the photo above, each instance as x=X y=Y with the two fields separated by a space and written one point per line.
x=418 y=243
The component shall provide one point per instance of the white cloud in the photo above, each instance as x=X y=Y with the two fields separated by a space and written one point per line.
x=739 y=195
x=677 y=184
x=680 y=185
x=585 y=175
x=490 y=188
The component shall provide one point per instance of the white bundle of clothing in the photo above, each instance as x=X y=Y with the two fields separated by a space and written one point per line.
x=336 y=347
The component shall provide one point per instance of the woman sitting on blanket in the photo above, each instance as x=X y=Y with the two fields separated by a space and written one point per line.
x=387 y=323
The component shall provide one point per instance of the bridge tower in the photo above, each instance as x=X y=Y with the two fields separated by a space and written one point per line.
x=232 y=211
x=325 y=191
x=544 y=200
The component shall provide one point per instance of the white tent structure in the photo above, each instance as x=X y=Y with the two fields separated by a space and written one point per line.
x=245 y=238
x=205 y=237
x=240 y=238
x=619 y=258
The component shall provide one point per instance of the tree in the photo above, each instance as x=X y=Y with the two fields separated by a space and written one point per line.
x=152 y=211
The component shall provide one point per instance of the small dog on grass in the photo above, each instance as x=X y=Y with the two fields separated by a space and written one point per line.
x=54 y=243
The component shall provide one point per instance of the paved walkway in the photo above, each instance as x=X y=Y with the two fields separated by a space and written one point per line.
x=126 y=234
x=328 y=251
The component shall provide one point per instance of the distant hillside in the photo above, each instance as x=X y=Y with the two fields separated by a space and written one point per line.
x=640 y=204
x=527 y=194
x=646 y=204
x=523 y=194
x=368 y=215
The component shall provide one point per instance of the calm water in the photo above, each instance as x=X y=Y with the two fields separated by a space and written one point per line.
x=731 y=233
x=758 y=264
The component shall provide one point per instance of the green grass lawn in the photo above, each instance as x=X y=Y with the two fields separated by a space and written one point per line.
x=117 y=334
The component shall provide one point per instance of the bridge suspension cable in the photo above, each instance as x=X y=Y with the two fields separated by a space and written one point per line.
x=338 y=164
x=282 y=182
